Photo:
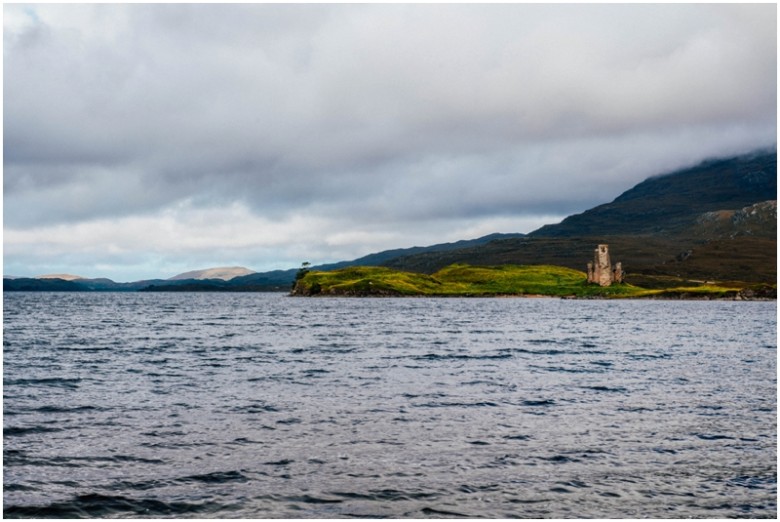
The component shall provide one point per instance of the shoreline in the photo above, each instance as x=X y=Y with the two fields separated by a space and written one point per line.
x=661 y=297
x=736 y=298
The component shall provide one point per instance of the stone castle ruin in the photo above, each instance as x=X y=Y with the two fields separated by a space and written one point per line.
x=600 y=271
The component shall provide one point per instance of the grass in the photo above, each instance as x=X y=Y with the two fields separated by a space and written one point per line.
x=466 y=280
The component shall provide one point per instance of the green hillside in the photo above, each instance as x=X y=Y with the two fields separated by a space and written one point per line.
x=474 y=281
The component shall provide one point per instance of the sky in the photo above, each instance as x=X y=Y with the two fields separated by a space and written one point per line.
x=145 y=140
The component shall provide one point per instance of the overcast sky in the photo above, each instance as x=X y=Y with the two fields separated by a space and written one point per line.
x=141 y=140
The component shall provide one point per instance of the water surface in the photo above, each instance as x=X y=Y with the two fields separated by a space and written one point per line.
x=265 y=406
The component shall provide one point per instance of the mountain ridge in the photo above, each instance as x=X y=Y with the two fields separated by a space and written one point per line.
x=64 y=277
x=658 y=228
x=670 y=202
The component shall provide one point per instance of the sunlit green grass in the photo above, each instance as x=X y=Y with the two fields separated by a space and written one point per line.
x=465 y=280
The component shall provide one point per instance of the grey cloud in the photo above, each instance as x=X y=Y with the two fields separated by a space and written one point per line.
x=412 y=111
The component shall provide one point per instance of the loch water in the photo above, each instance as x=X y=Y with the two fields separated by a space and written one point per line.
x=194 y=405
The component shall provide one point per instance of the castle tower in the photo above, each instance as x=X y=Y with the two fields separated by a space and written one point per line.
x=600 y=270
x=603 y=268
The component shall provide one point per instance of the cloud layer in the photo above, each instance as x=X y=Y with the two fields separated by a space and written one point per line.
x=158 y=136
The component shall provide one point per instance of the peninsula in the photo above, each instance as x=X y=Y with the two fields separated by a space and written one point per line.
x=462 y=280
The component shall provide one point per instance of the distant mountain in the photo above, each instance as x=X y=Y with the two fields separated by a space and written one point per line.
x=64 y=277
x=672 y=203
x=224 y=273
x=31 y=284
x=273 y=281
x=717 y=220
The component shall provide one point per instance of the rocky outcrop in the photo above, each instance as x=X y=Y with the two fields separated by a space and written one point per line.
x=757 y=293
x=757 y=220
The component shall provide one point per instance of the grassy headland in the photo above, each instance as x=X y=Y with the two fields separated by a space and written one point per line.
x=474 y=281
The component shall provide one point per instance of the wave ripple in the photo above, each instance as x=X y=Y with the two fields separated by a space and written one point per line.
x=261 y=406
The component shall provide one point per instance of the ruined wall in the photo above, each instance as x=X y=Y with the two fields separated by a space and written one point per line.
x=617 y=273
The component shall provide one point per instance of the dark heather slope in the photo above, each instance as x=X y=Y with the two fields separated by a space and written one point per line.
x=672 y=203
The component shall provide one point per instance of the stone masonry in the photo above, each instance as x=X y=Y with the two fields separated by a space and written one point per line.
x=600 y=271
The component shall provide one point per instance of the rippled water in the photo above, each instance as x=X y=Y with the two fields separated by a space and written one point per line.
x=261 y=405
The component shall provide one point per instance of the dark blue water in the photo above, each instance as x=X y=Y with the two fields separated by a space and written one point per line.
x=261 y=405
